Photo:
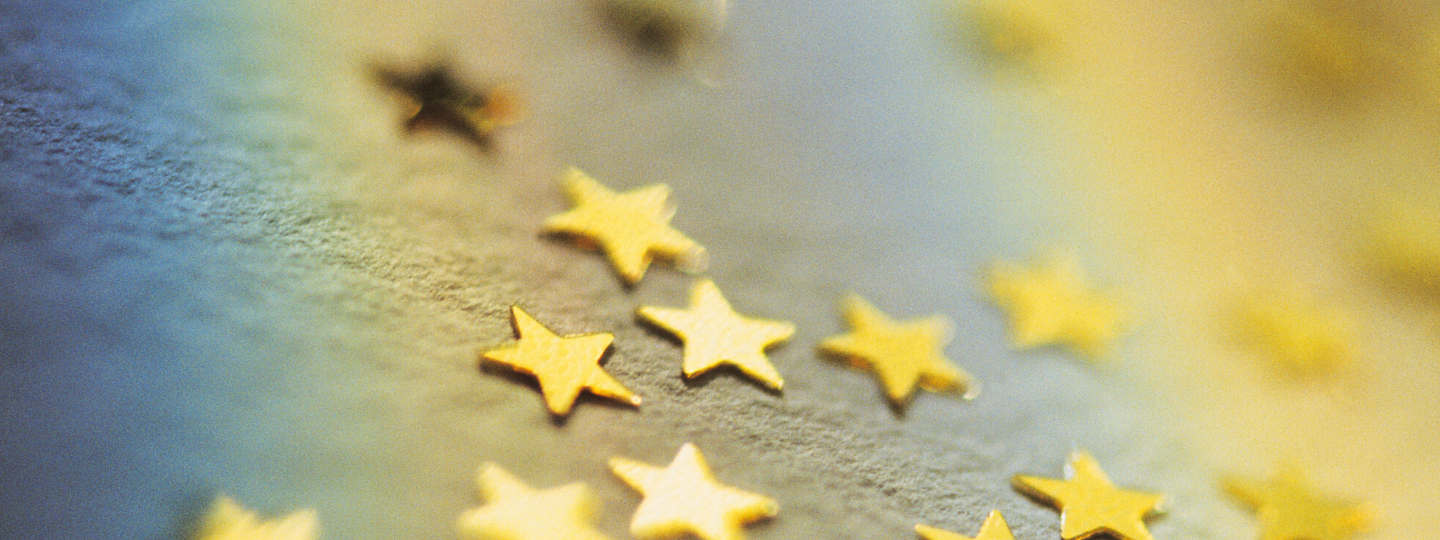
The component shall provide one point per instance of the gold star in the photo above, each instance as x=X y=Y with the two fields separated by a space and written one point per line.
x=227 y=520
x=1089 y=504
x=434 y=98
x=1405 y=243
x=902 y=354
x=993 y=529
x=685 y=498
x=1301 y=335
x=630 y=227
x=1289 y=509
x=562 y=365
x=1051 y=303
x=515 y=511
x=714 y=334
x=1026 y=34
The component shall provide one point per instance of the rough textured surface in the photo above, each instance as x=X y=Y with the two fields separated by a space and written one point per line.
x=223 y=268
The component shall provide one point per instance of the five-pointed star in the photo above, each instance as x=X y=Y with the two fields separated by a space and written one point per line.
x=1301 y=335
x=1089 y=504
x=903 y=354
x=1051 y=304
x=630 y=227
x=434 y=98
x=515 y=511
x=714 y=334
x=994 y=528
x=227 y=520
x=563 y=365
x=1289 y=509
x=685 y=498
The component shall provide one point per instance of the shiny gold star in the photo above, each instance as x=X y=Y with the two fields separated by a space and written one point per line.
x=684 y=498
x=1051 y=304
x=562 y=365
x=1089 y=504
x=902 y=354
x=434 y=98
x=629 y=227
x=994 y=528
x=227 y=520
x=1289 y=508
x=714 y=334
x=515 y=511
x=1302 y=336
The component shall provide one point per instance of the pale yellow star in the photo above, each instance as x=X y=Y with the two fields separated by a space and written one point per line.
x=684 y=498
x=227 y=520
x=515 y=511
x=629 y=227
x=714 y=334
x=994 y=528
x=562 y=365
x=1089 y=504
x=1050 y=303
x=902 y=354
x=1301 y=335
x=1289 y=508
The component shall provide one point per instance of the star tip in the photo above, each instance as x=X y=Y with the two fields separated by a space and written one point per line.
x=635 y=401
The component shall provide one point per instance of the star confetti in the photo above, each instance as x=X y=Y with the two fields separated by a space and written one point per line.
x=562 y=365
x=715 y=335
x=1289 y=508
x=1301 y=335
x=684 y=498
x=1090 y=506
x=227 y=520
x=903 y=354
x=994 y=528
x=1051 y=304
x=629 y=227
x=434 y=98
x=515 y=511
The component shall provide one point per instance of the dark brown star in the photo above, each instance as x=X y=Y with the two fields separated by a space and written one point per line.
x=667 y=29
x=435 y=99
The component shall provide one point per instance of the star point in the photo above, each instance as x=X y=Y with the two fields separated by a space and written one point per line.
x=1090 y=506
x=714 y=335
x=227 y=520
x=1050 y=303
x=563 y=366
x=1289 y=508
x=902 y=354
x=631 y=228
x=515 y=511
x=685 y=498
x=994 y=528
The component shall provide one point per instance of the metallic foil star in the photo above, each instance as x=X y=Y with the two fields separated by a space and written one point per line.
x=227 y=520
x=714 y=335
x=1051 y=304
x=993 y=529
x=684 y=498
x=1289 y=508
x=515 y=511
x=562 y=365
x=630 y=227
x=434 y=98
x=1089 y=504
x=902 y=354
x=1302 y=336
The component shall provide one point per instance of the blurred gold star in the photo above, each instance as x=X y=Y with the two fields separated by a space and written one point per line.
x=994 y=528
x=1405 y=242
x=434 y=98
x=714 y=335
x=1301 y=335
x=1089 y=504
x=684 y=498
x=562 y=365
x=1329 y=50
x=629 y=227
x=227 y=520
x=902 y=354
x=1022 y=33
x=1050 y=303
x=515 y=511
x=1289 y=508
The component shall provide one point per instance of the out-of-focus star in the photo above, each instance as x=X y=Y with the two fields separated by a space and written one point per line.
x=684 y=498
x=994 y=528
x=630 y=227
x=714 y=335
x=673 y=30
x=903 y=354
x=1301 y=335
x=1405 y=242
x=562 y=365
x=434 y=98
x=1090 y=506
x=1331 y=52
x=515 y=511
x=1026 y=34
x=1050 y=303
x=1289 y=508
x=227 y=520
